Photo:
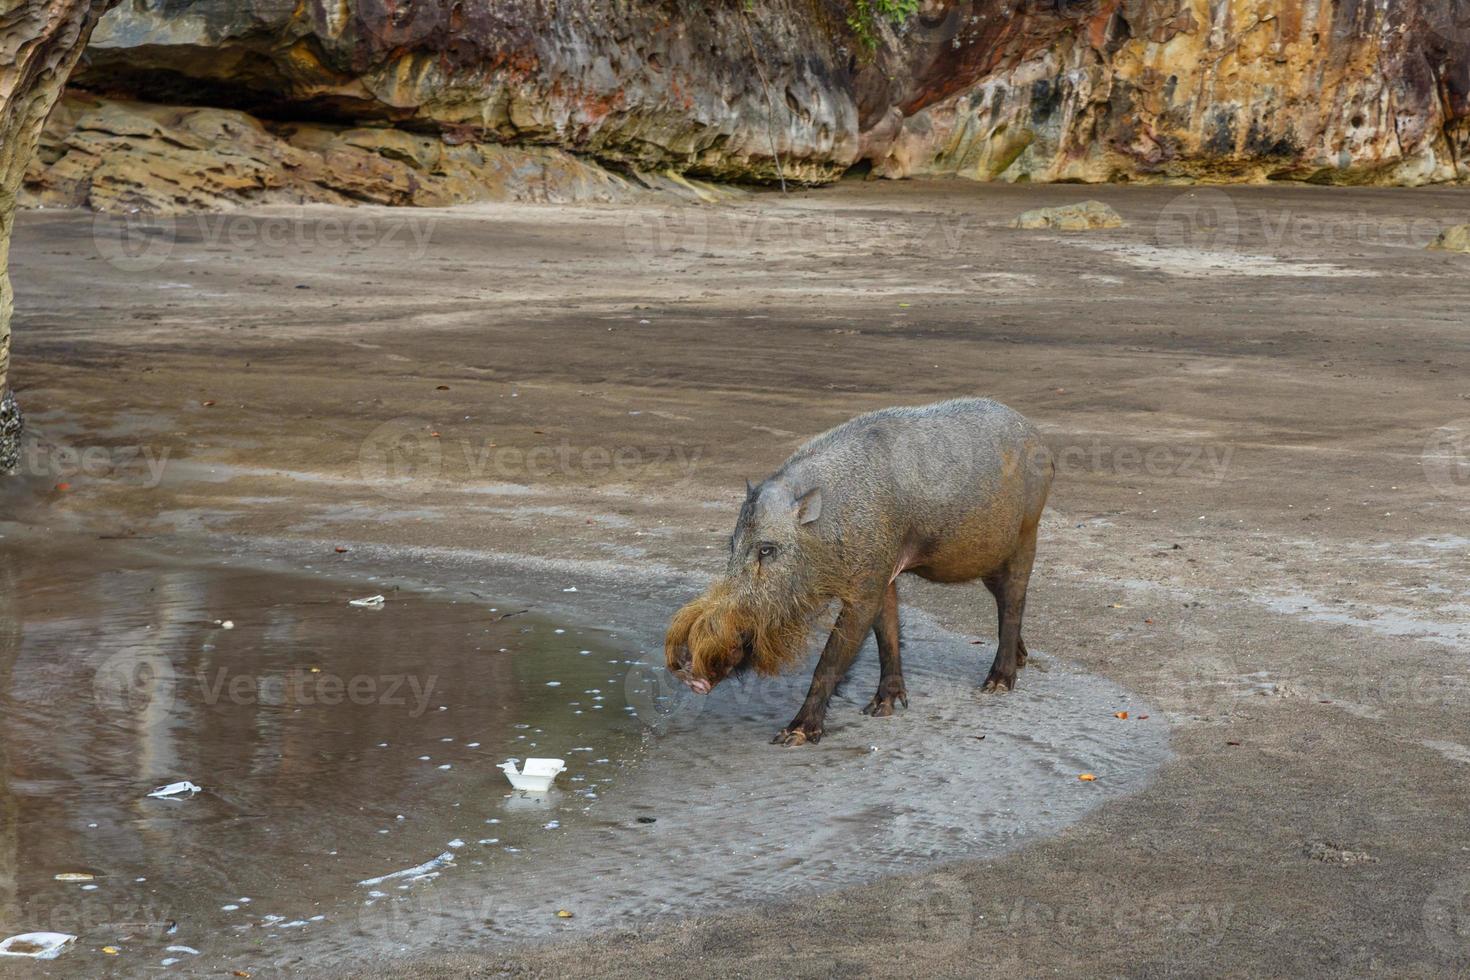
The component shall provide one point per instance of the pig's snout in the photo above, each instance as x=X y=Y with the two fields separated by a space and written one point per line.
x=684 y=671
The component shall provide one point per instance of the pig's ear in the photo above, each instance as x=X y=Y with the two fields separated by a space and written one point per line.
x=808 y=506
x=749 y=490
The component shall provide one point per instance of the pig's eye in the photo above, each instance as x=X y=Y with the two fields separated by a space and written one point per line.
x=765 y=551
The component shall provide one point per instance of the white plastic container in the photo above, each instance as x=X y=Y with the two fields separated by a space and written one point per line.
x=536 y=775
x=37 y=945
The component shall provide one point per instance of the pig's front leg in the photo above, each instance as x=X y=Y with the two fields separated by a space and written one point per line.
x=851 y=628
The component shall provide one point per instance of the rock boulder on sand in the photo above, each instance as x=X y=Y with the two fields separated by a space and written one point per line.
x=1071 y=217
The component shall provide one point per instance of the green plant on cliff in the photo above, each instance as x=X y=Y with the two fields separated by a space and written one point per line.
x=865 y=15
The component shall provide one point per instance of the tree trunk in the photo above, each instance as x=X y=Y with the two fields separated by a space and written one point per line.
x=40 y=41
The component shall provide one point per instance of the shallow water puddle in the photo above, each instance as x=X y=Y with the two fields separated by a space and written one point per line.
x=350 y=803
x=332 y=745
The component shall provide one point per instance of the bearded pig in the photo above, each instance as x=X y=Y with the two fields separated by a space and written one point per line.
x=951 y=492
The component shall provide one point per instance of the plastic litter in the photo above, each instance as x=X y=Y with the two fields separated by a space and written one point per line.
x=37 y=945
x=423 y=869
x=174 y=789
x=368 y=602
x=535 y=775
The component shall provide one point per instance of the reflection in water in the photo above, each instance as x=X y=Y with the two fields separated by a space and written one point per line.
x=333 y=744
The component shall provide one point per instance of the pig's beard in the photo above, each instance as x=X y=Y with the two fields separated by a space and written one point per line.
x=724 y=630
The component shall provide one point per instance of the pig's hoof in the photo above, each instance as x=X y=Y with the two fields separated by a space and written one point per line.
x=998 y=683
x=884 y=701
x=798 y=733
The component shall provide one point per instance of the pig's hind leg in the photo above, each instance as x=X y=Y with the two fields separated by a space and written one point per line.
x=1021 y=653
x=1008 y=585
x=890 y=682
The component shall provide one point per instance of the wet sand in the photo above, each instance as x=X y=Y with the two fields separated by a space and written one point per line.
x=1258 y=530
x=350 y=805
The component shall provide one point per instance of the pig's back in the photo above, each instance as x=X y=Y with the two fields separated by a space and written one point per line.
x=931 y=468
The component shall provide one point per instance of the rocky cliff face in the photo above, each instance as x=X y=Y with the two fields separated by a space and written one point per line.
x=649 y=84
x=1351 y=90
x=125 y=157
